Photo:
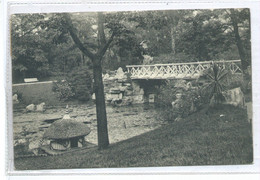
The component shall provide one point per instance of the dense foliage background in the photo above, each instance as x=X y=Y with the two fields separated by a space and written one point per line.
x=42 y=47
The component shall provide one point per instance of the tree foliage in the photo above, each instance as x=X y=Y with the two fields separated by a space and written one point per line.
x=43 y=48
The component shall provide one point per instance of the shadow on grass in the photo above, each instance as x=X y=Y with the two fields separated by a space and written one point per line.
x=220 y=136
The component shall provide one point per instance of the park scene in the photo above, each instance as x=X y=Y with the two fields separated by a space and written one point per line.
x=131 y=89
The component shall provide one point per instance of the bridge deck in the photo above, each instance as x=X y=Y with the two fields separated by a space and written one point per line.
x=191 y=70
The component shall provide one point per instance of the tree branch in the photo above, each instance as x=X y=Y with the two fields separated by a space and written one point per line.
x=103 y=49
x=75 y=38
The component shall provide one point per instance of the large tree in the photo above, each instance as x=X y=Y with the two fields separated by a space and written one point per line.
x=96 y=59
x=240 y=18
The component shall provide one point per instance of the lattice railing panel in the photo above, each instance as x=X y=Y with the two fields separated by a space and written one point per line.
x=179 y=70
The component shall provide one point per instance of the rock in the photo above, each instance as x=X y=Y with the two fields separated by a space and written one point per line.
x=19 y=141
x=128 y=93
x=111 y=78
x=122 y=80
x=127 y=100
x=108 y=97
x=15 y=98
x=127 y=84
x=141 y=92
x=144 y=44
x=30 y=108
x=106 y=77
x=122 y=88
x=138 y=99
x=66 y=116
x=120 y=96
x=138 y=91
x=40 y=107
x=114 y=91
x=93 y=96
x=120 y=74
x=234 y=97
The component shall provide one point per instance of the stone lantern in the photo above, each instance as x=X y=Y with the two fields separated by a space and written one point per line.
x=66 y=134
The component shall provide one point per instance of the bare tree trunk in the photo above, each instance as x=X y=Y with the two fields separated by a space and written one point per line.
x=103 y=140
x=239 y=44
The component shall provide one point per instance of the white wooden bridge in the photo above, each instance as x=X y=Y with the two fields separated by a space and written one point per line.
x=191 y=70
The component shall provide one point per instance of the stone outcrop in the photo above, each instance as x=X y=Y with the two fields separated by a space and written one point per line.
x=234 y=97
x=120 y=90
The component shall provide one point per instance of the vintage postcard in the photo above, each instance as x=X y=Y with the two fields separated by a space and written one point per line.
x=114 y=87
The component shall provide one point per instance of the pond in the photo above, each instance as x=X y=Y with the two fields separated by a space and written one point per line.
x=123 y=123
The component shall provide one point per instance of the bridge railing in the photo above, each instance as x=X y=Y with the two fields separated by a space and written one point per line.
x=179 y=70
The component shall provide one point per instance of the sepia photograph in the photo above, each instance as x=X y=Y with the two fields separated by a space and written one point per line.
x=121 y=89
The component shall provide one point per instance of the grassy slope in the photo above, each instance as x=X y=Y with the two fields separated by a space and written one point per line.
x=201 y=139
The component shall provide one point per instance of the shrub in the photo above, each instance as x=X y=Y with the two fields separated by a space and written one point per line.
x=63 y=89
x=166 y=94
x=80 y=80
x=189 y=102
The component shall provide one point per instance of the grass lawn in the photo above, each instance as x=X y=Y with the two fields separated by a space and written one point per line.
x=200 y=139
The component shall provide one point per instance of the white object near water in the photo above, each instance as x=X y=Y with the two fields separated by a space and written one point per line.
x=15 y=98
x=30 y=108
x=40 y=107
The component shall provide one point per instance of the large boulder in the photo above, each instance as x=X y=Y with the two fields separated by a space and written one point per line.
x=40 y=107
x=30 y=108
x=234 y=97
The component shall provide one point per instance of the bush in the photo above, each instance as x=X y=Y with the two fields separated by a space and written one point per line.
x=166 y=94
x=189 y=102
x=80 y=80
x=63 y=90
